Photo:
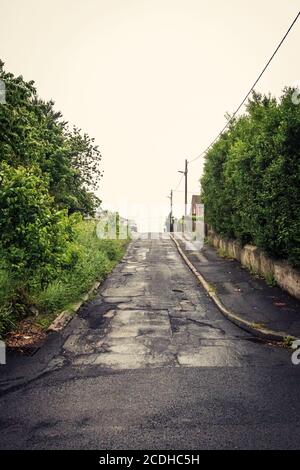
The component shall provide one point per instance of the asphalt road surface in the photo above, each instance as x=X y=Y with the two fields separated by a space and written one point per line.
x=151 y=363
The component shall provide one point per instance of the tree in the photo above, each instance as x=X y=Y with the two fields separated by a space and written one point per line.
x=33 y=133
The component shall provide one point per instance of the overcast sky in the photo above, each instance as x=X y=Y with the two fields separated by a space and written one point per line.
x=151 y=80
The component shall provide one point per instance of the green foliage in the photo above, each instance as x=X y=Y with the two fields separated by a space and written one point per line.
x=251 y=183
x=270 y=280
x=48 y=175
x=32 y=133
x=7 y=320
x=33 y=234
x=95 y=259
x=7 y=292
x=87 y=260
x=288 y=342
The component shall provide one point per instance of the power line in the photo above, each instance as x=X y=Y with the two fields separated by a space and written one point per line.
x=181 y=178
x=250 y=91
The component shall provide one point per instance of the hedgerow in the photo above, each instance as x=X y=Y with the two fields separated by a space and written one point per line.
x=251 y=182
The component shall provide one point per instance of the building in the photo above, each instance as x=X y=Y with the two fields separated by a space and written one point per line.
x=197 y=208
x=196 y=211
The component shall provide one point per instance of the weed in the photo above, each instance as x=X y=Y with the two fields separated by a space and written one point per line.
x=288 y=342
x=270 y=280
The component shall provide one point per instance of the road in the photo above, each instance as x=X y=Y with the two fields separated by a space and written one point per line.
x=151 y=363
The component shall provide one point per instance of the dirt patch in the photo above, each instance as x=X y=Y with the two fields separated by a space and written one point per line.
x=25 y=337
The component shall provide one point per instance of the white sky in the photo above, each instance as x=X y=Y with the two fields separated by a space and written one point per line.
x=151 y=80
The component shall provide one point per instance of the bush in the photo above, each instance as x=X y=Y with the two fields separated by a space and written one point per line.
x=33 y=234
x=95 y=259
x=87 y=259
x=7 y=291
x=251 y=182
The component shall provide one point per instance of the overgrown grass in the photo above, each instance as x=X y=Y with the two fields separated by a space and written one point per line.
x=7 y=290
x=91 y=259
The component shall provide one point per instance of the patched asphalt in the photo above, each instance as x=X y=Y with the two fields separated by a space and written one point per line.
x=151 y=363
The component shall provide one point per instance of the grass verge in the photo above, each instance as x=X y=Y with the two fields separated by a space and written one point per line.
x=92 y=260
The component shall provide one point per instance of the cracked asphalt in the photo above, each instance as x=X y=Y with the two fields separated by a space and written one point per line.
x=151 y=363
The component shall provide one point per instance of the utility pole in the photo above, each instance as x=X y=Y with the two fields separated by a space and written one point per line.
x=185 y=172
x=185 y=189
x=171 y=210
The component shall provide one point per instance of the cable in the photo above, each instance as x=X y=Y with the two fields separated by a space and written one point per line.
x=251 y=89
x=181 y=178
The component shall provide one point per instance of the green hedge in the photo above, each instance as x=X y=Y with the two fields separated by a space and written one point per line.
x=251 y=182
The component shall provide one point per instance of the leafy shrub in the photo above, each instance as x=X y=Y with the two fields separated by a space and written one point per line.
x=7 y=290
x=33 y=234
x=7 y=320
x=95 y=259
x=251 y=182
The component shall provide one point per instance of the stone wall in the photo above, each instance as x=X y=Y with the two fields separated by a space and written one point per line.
x=254 y=259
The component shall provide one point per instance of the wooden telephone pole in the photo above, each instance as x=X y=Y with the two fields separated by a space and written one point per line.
x=185 y=172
